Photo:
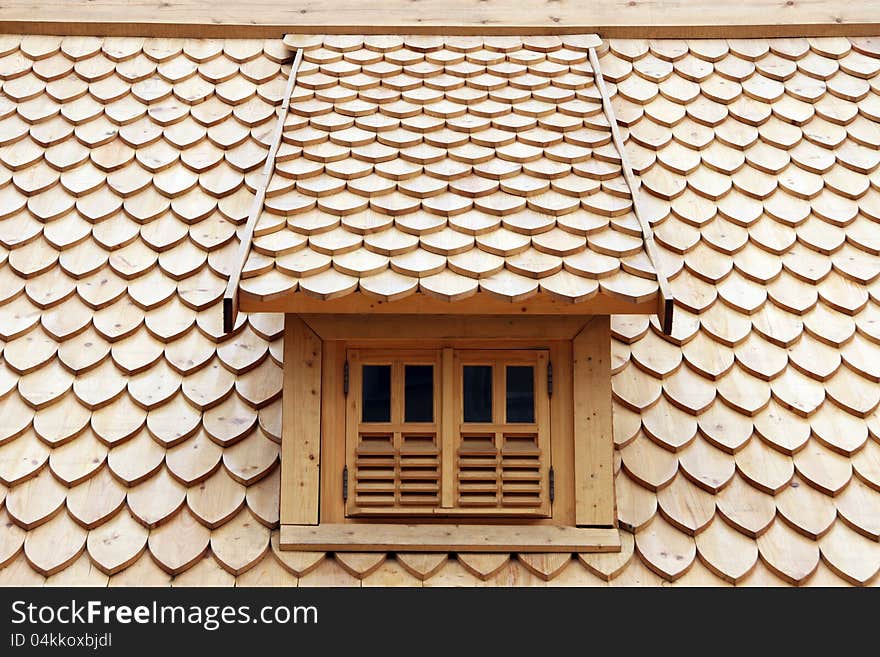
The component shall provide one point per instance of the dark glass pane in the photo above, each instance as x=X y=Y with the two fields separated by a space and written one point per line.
x=520 y=393
x=477 y=393
x=419 y=393
x=376 y=393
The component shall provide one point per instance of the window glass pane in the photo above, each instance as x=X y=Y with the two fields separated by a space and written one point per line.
x=376 y=393
x=419 y=393
x=477 y=392
x=520 y=393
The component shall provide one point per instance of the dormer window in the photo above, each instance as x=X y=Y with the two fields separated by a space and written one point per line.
x=448 y=250
x=399 y=433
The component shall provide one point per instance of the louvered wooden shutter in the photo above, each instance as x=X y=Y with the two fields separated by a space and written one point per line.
x=503 y=466
x=394 y=465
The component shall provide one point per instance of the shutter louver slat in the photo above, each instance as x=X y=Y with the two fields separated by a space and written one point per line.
x=477 y=471
x=521 y=471
x=419 y=468
x=374 y=472
x=385 y=476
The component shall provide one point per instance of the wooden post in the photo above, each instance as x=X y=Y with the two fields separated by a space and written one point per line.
x=300 y=424
x=593 y=439
x=562 y=428
x=333 y=410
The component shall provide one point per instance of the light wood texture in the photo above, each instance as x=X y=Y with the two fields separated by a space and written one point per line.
x=301 y=424
x=393 y=465
x=447 y=433
x=421 y=564
x=333 y=424
x=360 y=564
x=562 y=427
x=482 y=565
x=296 y=563
x=332 y=431
x=449 y=538
x=498 y=468
x=769 y=240
x=545 y=565
x=240 y=544
x=53 y=546
x=593 y=441
x=512 y=459
x=124 y=363
x=655 y=18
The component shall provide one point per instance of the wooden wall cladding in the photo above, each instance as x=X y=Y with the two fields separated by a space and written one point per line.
x=138 y=444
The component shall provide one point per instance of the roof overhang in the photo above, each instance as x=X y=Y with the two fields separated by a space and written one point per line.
x=292 y=215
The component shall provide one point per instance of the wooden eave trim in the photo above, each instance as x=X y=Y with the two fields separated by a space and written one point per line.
x=478 y=304
x=206 y=30
x=446 y=327
x=611 y=18
x=369 y=537
x=665 y=301
x=230 y=297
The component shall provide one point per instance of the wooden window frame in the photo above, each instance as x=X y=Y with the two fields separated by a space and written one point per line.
x=583 y=513
x=448 y=429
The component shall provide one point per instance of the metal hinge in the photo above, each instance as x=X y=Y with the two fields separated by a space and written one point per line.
x=344 y=483
x=345 y=379
x=552 y=485
x=549 y=378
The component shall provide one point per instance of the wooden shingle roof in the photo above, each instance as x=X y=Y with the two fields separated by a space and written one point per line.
x=139 y=443
x=446 y=167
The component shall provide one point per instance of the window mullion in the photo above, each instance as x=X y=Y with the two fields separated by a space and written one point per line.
x=542 y=418
x=499 y=409
x=499 y=401
x=397 y=405
x=446 y=415
x=352 y=434
x=397 y=391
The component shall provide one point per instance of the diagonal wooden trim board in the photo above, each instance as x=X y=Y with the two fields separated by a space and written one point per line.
x=611 y=18
x=230 y=297
x=667 y=304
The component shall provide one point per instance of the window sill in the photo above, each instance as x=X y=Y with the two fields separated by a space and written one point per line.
x=448 y=538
